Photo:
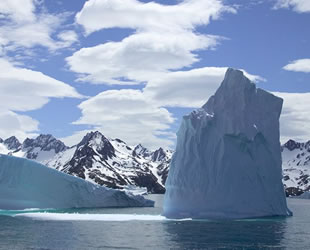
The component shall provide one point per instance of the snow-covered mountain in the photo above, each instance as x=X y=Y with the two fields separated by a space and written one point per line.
x=41 y=149
x=296 y=167
x=108 y=162
x=12 y=143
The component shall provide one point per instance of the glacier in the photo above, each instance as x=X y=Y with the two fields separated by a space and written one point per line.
x=28 y=184
x=227 y=163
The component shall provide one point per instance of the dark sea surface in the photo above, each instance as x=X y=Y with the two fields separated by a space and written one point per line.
x=114 y=229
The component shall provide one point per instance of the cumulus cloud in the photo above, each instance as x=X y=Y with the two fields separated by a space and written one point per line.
x=28 y=25
x=160 y=46
x=301 y=65
x=21 y=126
x=16 y=11
x=24 y=25
x=156 y=17
x=297 y=5
x=23 y=89
x=137 y=58
x=129 y=115
x=165 y=39
x=68 y=37
x=295 y=117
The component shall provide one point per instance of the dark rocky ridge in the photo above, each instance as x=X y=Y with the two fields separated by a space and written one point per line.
x=44 y=143
x=12 y=143
x=96 y=149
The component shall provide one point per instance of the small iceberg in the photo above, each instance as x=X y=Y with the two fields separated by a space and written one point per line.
x=27 y=184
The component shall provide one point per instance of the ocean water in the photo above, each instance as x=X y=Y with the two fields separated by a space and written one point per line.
x=144 y=228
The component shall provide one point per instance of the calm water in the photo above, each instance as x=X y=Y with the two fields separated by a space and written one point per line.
x=99 y=232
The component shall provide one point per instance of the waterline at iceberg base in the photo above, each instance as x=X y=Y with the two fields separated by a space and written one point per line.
x=28 y=184
x=227 y=163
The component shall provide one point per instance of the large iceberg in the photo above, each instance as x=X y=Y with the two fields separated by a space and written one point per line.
x=28 y=184
x=227 y=162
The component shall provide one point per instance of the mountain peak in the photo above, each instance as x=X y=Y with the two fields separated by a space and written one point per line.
x=46 y=142
x=159 y=154
x=140 y=150
x=12 y=143
x=98 y=142
x=93 y=135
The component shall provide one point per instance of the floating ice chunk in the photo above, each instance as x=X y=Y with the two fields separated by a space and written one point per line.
x=91 y=217
x=28 y=184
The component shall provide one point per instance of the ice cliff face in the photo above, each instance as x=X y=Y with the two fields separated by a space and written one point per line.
x=28 y=184
x=227 y=162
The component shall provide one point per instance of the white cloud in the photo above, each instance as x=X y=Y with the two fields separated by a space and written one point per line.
x=17 y=11
x=21 y=126
x=28 y=25
x=127 y=114
x=138 y=57
x=68 y=37
x=148 y=16
x=297 y=5
x=190 y=88
x=24 y=90
x=165 y=39
x=301 y=65
x=164 y=42
x=295 y=117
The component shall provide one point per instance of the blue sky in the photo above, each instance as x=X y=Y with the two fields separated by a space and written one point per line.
x=132 y=69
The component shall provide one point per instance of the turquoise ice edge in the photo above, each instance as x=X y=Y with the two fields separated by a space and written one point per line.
x=82 y=215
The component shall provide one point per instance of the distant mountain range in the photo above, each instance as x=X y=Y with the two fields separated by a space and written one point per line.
x=115 y=164
x=98 y=159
